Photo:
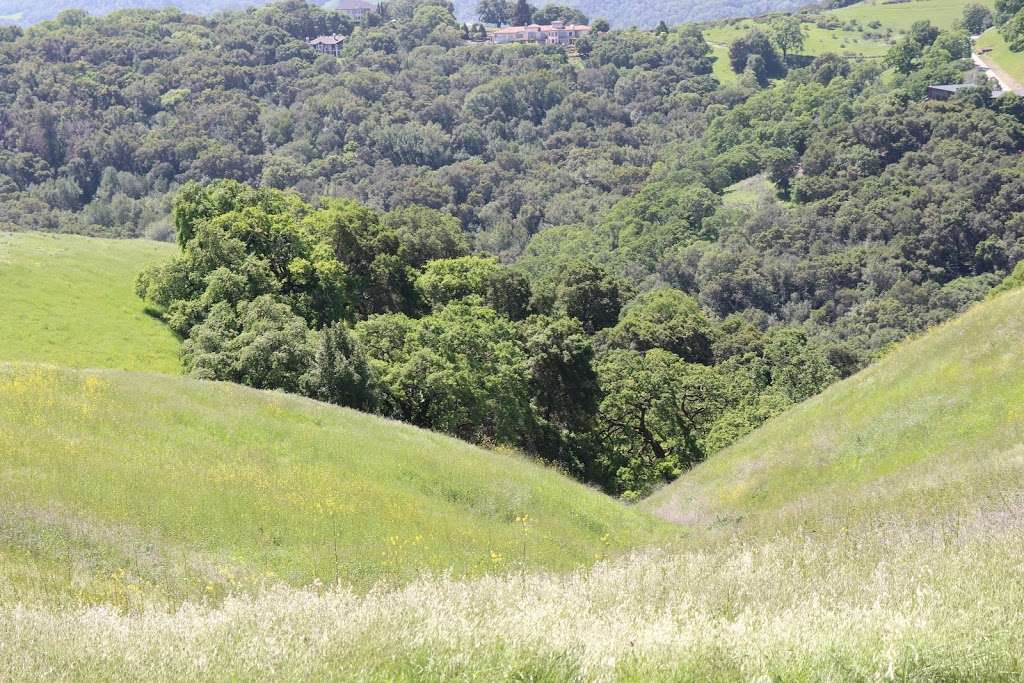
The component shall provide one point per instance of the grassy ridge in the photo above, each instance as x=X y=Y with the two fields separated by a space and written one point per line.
x=895 y=17
x=933 y=429
x=1001 y=55
x=899 y=16
x=120 y=487
x=69 y=300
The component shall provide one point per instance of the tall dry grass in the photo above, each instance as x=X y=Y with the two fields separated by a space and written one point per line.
x=891 y=602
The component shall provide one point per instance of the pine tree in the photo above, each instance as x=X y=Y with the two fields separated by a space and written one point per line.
x=522 y=15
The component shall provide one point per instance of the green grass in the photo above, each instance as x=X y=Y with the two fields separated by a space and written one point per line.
x=748 y=192
x=70 y=301
x=896 y=18
x=1001 y=55
x=900 y=16
x=870 y=533
x=818 y=40
x=935 y=428
x=117 y=486
x=720 y=67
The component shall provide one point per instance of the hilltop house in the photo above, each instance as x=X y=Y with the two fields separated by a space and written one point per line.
x=356 y=10
x=555 y=33
x=328 y=45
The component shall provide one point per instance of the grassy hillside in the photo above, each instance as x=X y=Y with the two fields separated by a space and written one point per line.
x=934 y=429
x=900 y=15
x=1000 y=55
x=70 y=301
x=873 y=533
x=120 y=486
x=846 y=30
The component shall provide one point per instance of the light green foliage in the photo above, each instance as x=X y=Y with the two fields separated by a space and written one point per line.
x=798 y=370
x=976 y=19
x=69 y=300
x=446 y=280
x=668 y=319
x=787 y=32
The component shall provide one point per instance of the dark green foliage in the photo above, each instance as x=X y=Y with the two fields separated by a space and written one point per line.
x=655 y=412
x=624 y=312
x=340 y=372
x=592 y=296
x=522 y=13
x=497 y=12
x=755 y=51
x=551 y=12
x=505 y=139
x=260 y=343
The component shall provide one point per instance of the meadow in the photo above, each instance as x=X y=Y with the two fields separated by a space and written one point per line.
x=122 y=488
x=899 y=16
x=70 y=301
x=930 y=602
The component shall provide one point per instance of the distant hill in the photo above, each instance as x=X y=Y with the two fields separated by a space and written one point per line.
x=27 y=12
x=647 y=13
x=644 y=14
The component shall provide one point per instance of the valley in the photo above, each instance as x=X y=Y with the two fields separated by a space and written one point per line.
x=345 y=343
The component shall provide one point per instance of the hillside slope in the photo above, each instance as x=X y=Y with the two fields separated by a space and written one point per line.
x=873 y=533
x=69 y=300
x=118 y=486
x=934 y=429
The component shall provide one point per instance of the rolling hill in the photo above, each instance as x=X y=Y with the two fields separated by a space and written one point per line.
x=932 y=431
x=120 y=485
x=872 y=533
x=70 y=301
x=642 y=14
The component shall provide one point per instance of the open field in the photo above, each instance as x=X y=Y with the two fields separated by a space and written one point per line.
x=921 y=604
x=69 y=300
x=849 y=39
x=122 y=487
x=899 y=16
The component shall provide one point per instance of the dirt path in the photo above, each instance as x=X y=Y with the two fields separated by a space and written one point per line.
x=1005 y=80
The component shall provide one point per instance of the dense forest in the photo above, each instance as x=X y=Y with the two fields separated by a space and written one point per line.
x=509 y=244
